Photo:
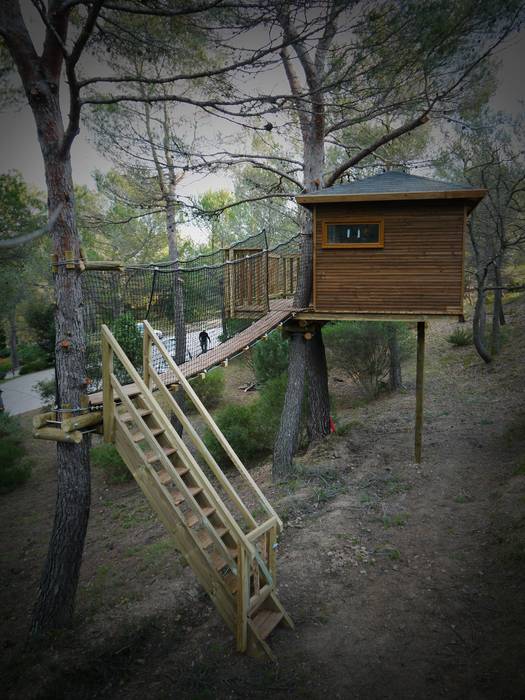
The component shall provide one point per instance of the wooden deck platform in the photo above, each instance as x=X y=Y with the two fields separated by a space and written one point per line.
x=280 y=311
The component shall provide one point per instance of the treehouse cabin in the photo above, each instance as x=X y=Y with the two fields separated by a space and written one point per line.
x=390 y=245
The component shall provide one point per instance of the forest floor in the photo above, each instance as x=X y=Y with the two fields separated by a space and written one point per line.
x=404 y=580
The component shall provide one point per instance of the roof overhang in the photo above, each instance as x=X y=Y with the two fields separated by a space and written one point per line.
x=470 y=196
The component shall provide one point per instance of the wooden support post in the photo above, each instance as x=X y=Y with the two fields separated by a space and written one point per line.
x=243 y=598
x=271 y=543
x=107 y=389
x=231 y=282
x=146 y=357
x=420 y=367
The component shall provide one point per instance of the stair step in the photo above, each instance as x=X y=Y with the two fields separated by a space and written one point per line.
x=265 y=621
x=231 y=581
x=178 y=496
x=205 y=537
x=217 y=560
x=139 y=437
x=165 y=478
x=152 y=457
x=126 y=417
x=192 y=519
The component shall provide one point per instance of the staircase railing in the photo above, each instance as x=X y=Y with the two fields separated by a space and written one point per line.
x=254 y=567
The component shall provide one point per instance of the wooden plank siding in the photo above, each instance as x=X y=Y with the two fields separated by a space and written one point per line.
x=419 y=269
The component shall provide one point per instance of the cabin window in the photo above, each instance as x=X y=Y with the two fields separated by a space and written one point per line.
x=353 y=234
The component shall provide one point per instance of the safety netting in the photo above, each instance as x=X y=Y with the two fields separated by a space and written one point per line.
x=192 y=306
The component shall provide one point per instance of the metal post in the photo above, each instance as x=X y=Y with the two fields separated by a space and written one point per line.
x=420 y=367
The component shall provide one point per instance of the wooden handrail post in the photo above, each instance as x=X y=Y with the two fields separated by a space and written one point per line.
x=243 y=598
x=420 y=369
x=271 y=543
x=146 y=357
x=107 y=389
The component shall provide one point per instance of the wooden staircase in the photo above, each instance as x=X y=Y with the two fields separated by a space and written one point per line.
x=231 y=553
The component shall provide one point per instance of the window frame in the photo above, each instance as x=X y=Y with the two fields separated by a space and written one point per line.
x=352 y=221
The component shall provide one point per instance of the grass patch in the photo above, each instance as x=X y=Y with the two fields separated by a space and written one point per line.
x=397 y=520
x=520 y=469
x=128 y=516
x=106 y=458
x=460 y=337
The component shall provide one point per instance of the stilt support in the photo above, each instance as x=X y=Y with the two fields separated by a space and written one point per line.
x=420 y=368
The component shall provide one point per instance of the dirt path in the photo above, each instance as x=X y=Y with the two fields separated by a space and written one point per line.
x=403 y=581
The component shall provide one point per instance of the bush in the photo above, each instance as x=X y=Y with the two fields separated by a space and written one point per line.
x=46 y=388
x=5 y=365
x=106 y=458
x=250 y=429
x=460 y=337
x=129 y=337
x=240 y=426
x=15 y=467
x=209 y=388
x=270 y=357
x=35 y=366
x=40 y=317
x=5 y=352
x=32 y=353
x=361 y=348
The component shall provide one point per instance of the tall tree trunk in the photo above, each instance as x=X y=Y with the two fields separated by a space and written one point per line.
x=178 y=296
x=13 y=344
x=497 y=312
x=56 y=594
x=395 y=380
x=288 y=434
x=478 y=320
x=318 y=395
x=310 y=358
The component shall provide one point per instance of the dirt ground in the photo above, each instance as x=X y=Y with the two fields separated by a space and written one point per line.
x=404 y=581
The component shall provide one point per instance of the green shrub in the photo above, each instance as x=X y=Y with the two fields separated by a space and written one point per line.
x=15 y=467
x=30 y=353
x=250 y=429
x=35 y=366
x=241 y=427
x=106 y=458
x=270 y=357
x=5 y=352
x=269 y=407
x=40 y=318
x=5 y=365
x=209 y=388
x=46 y=389
x=129 y=337
x=361 y=348
x=460 y=337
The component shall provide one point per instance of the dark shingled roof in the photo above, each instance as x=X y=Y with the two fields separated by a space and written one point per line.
x=392 y=181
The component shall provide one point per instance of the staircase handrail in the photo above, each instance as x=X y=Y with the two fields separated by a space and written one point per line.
x=215 y=430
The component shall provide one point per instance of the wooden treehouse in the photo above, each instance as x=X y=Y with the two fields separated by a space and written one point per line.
x=389 y=247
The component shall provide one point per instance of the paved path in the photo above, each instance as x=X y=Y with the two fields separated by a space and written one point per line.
x=19 y=395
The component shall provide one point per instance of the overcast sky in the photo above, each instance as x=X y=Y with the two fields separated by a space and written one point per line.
x=19 y=148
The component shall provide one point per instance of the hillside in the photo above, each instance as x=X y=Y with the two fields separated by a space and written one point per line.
x=404 y=581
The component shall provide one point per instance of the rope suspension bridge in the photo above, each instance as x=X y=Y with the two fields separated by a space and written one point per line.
x=206 y=310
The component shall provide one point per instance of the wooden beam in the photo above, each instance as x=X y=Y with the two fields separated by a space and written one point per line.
x=420 y=368
x=57 y=435
x=87 y=420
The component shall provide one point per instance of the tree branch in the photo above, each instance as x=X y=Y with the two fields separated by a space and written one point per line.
x=386 y=138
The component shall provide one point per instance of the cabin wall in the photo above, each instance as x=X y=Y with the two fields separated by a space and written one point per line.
x=419 y=269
